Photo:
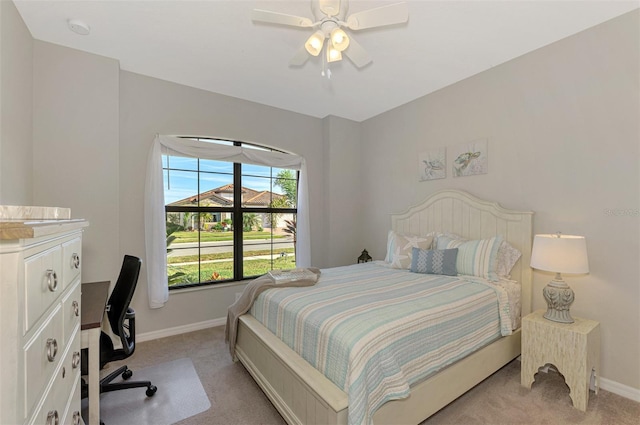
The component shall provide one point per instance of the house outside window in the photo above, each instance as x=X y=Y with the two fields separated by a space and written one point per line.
x=227 y=221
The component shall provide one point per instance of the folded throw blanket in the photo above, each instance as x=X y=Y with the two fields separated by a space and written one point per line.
x=251 y=291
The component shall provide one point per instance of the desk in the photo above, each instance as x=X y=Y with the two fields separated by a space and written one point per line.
x=93 y=302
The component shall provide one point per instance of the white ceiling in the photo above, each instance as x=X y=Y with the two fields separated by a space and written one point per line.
x=213 y=45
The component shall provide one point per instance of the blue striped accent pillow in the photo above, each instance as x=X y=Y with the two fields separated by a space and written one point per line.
x=437 y=261
x=476 y=257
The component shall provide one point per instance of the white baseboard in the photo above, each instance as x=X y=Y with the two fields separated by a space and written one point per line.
x=606 y=384
x=177 y=330
x=620 y=389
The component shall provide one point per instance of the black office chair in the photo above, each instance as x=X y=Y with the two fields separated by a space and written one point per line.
x=123 y=324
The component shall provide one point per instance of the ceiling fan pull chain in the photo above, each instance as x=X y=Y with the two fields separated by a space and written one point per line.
x=324 y=66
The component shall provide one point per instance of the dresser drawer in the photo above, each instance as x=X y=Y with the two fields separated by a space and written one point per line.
x=41 y=356
x=56 y=399
x=68 y=375
x=73 y=415
x=43 y=283
x=71 y=310
x=71 y=261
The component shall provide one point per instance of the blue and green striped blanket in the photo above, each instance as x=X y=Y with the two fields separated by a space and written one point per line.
x=374 y=331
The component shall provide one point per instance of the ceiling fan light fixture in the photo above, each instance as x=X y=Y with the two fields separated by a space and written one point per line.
x=314 y=43
x=333 y=55
x=339 y=39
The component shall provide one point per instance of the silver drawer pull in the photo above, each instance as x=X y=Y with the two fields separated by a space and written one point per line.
x=53 y=418
x=75 y=361
x=76 y=308
x=52 y=349
x=52 y=280
x=76 y=418
x=75 y=258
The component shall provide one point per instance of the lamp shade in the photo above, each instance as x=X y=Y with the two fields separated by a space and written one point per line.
x=314 y=43
x=339 y=39
x=333 y=55
x=560 y=254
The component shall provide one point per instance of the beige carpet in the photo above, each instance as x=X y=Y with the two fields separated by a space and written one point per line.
x=237 y=400
x=180 y=395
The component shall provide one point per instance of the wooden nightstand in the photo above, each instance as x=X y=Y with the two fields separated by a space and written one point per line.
x=574 y=349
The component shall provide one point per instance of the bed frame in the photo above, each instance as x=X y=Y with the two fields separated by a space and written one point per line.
x=303 y=395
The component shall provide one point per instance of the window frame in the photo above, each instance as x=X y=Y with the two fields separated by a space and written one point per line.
x=236 y=209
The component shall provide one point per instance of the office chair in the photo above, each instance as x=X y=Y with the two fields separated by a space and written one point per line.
x=123 y=324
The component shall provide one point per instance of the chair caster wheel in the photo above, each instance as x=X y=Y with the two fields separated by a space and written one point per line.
x=151 y=390
x=127 y=374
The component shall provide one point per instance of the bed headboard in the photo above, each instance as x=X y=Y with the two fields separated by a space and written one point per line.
x=461 y=213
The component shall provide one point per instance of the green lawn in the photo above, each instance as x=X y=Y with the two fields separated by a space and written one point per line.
x=184 y=236
x=225 y=269
x=222 y=255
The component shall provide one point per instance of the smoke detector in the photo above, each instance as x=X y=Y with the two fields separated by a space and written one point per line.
x=78 y=26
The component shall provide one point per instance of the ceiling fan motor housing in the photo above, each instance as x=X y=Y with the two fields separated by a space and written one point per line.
x=329 y=8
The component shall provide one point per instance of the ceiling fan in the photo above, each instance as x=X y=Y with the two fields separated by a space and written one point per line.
x=330 y=23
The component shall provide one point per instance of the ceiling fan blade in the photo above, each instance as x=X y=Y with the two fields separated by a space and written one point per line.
x=356 y=53
x=396 y=13
x=300 y=58
x=268 y=16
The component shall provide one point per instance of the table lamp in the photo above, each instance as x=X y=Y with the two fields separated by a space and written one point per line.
x=559 y=254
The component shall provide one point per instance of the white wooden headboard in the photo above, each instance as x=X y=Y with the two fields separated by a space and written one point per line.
x=461 y=213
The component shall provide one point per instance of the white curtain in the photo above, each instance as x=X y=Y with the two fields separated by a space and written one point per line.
x=154 y=214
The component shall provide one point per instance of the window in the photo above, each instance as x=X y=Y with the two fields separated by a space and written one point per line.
x=227 y=221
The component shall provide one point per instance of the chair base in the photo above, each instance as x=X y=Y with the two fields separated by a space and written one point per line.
x=107 y=386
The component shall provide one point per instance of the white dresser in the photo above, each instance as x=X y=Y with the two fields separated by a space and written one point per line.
x=40 y=264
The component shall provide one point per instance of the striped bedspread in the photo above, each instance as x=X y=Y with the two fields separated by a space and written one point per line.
x=374 y=331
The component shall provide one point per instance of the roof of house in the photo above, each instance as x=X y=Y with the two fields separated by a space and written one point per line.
x=212 y=198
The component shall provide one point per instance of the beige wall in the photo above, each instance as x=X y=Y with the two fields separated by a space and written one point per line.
x=341 y=174
x=75 y=147
x=563 y=131
x=149 y=106
x=16 y=149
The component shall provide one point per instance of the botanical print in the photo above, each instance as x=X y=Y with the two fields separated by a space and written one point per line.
x=431 y=164
x=470 y=159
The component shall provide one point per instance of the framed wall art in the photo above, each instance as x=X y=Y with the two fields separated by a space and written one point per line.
x=432 y=164
x=469 y=159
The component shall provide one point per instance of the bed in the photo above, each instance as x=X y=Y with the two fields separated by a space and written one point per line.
x=303 y=395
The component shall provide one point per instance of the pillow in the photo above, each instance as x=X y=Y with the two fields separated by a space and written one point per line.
x=399 y=248
x=476 y=257
x=507 y=258
x=438 y=261
x=444 y=239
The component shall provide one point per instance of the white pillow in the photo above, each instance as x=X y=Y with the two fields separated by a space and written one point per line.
x=399 y=248
x=476 y=257
x=508 y=256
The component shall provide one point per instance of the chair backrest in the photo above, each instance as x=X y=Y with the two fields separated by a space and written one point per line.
x=123 y=293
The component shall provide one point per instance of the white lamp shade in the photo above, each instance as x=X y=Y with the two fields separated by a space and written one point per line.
x=333 y=55
x=560 y=254
x=314 y=43
x=339 y=39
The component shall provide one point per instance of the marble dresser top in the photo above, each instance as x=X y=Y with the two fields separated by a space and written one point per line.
x=20 y=222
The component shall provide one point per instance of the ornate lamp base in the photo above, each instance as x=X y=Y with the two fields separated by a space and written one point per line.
x=559 y=297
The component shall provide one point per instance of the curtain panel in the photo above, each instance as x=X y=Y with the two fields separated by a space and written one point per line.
x=154 y=203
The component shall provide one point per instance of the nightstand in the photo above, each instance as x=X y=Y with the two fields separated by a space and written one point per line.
x=573 y=348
